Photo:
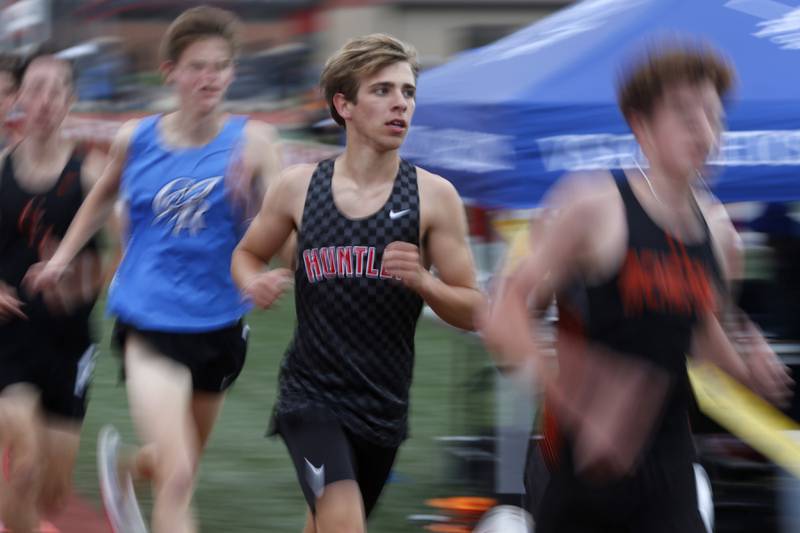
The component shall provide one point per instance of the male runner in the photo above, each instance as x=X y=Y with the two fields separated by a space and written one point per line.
x=370 y=226
x=639 y=260
x=186 y=178
x=46 y=350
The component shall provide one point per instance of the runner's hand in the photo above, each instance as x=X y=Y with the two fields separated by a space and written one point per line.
x=265 y=288
x=769 y=377
x=611 y=403
x=402 y=260
x=10 y=304
x=44 y=276
x=598 y=456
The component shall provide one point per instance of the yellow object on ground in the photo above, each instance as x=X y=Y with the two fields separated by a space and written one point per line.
x=753 y=420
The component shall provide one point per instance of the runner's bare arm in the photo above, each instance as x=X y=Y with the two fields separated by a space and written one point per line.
x=99 y=203
x=559 y=251
x=453 y=294
x=10 y=304
x=92 y=168
x=267 y=151
x=264 y=148
x=91 y=216
x=268 y=232
x=755 y=363
x=710 y=342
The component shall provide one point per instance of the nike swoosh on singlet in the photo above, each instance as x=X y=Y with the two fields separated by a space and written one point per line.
x=397 y=214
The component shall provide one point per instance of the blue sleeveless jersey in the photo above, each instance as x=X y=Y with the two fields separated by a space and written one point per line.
x=182 y=229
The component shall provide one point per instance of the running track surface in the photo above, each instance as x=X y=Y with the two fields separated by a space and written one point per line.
x=81 y=517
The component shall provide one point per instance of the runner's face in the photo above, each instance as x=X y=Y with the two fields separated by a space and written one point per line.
x=45 y=95
x=684 y=128
x=202 y=74
x=385 y=105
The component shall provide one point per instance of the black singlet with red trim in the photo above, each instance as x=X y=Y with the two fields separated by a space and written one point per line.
x=31 y=226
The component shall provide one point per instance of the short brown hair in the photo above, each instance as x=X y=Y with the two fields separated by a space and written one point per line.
x=360 y=57
x=196 y=24
x=642 y=85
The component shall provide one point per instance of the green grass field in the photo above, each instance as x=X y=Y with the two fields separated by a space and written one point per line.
x=247 y=483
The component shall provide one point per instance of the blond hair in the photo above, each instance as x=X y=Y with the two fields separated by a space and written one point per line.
x=196 y=24
x=358 y=58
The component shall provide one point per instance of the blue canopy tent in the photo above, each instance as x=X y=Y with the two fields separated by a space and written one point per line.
x=504 y=121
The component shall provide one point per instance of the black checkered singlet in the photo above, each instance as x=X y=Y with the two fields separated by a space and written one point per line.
x=353 y=349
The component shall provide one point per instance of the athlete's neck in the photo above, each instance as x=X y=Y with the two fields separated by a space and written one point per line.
x=35 y=148
x=670 y=190
x=184 y=128
x=366 y=166
x=39 y=160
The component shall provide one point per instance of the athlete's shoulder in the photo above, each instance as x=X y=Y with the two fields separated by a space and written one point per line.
x=125 y=133
x=93 y=162
x=716 y=215
x=582 y=191
x=435 y=186
x=132 y=124
x=710 y=206
x=295 y=179
x=434 y=180
x=727 y=242
x=260 y=132
x=287 y=193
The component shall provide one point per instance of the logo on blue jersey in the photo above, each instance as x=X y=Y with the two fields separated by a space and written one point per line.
x=183 y=202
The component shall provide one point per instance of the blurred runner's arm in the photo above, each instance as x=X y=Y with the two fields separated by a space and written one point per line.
x=266 y=150
x=269 y=151
x=92 y=169
x=755 y=364
x=10 y=304
x=268 y=232
x=769 y=376
x=99 y=203
x=557 y=254
x=710 y=342
x=91 y=216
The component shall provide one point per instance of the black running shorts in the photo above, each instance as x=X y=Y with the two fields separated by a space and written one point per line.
x=214 y=358
x=324 y=452
x=58 y=362
x=661 y=497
